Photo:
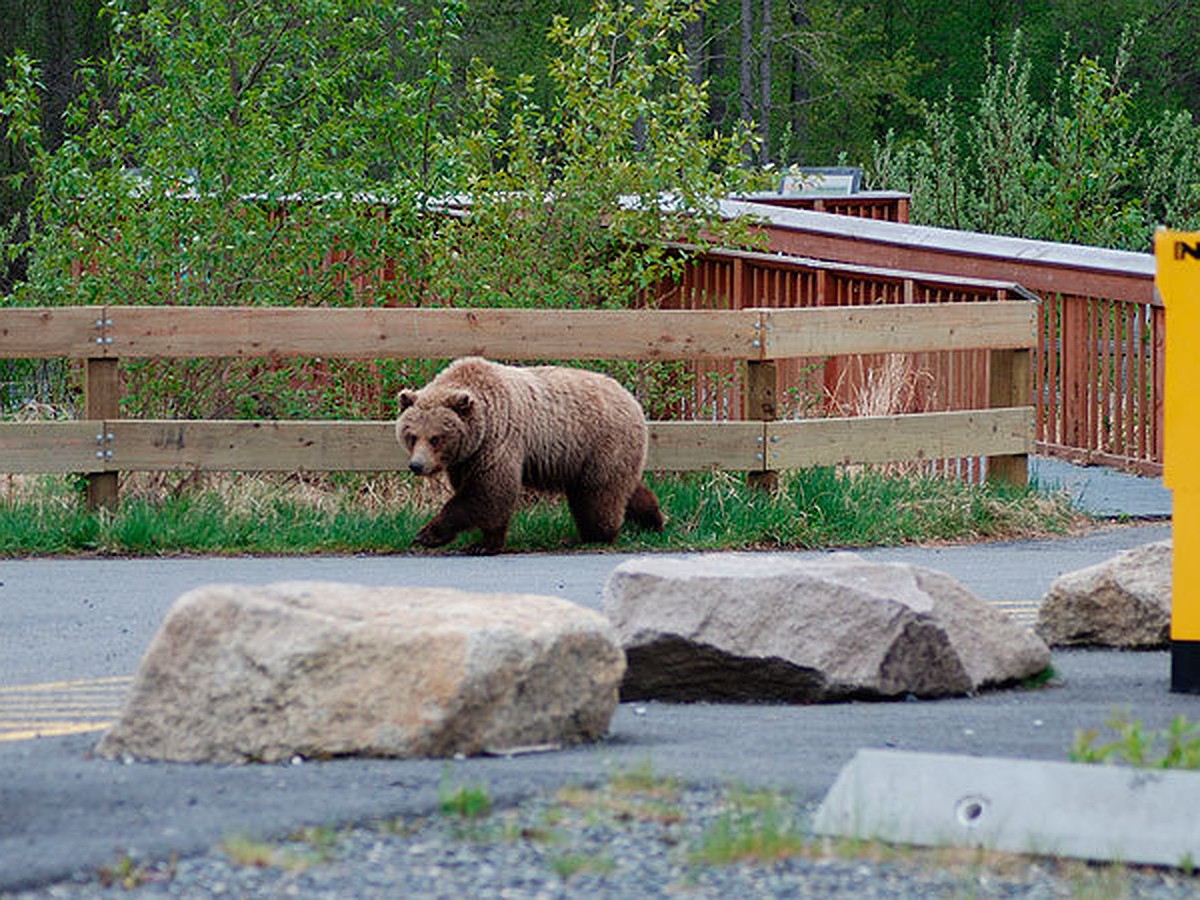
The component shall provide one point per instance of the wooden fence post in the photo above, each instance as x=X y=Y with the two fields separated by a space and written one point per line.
x=1009 y=384
x=761 y=406
x=102 y=401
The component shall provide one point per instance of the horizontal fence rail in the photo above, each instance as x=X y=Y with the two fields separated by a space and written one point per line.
x=105 y=444
x=188 y=332
x=1041 y=266
x=890 y=206
x=144 y=445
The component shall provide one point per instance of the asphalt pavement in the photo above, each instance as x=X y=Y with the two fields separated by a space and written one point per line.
x=74 y=630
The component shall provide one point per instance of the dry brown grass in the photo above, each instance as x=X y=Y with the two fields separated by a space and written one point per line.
x=249 y=492
x=977 y=866
x=895 y=387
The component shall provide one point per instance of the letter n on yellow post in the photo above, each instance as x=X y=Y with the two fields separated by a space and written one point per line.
x=1177 y=255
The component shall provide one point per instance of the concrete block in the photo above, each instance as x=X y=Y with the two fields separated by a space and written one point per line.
x=1094 y=812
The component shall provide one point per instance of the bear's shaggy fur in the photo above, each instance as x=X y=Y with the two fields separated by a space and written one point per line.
x=494 y=429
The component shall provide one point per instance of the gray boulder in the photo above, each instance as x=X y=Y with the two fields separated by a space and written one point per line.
x=720 y=627
x=1122 y=602
x=239 y=673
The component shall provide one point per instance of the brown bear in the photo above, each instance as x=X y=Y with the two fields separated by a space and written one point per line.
x=495 y=429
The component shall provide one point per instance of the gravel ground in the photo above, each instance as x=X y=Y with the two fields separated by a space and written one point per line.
x=644 y=838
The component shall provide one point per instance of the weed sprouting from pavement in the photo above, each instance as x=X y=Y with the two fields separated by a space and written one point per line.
x=463 y=801
x=758 y=827
x=1175 y=747
x=1045 y=678
x=568 y=865
x=128 y=874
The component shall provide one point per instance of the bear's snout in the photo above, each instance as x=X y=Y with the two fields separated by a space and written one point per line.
x=418 y=462
x=424 y=461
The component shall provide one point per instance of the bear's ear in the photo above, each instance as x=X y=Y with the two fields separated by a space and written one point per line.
x=461 y=403
x=407 y=399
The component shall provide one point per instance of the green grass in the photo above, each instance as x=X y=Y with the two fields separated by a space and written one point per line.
x=824 y=507
x=258 y=515
x=464 y=801
x=128 y=875
x=642 y=780
x=1175 y=747
x=758 y=827
x=637 y=794
x=567 y=865
x=301 y=850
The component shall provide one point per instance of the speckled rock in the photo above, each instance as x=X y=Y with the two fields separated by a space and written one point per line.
x=1123 y=602
x=239 y=673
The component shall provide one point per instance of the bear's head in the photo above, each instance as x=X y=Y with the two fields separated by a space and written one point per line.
x=436 y=428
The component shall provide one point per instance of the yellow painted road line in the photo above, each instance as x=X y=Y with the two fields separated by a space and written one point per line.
x=56 y=708
x=59 y=729
x=122 y=681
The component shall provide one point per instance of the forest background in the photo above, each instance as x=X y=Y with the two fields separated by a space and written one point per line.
x=1058 y=119
x=1053 y=119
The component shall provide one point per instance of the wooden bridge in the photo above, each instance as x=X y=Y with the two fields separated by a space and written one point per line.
x=1098 y=370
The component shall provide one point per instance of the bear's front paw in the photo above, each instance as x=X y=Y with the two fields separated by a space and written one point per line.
x=483 y=548
x=431 y=536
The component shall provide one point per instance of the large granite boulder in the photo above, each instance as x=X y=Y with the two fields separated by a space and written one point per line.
x=774 y=627
x=1122 y=602
x=239 y=673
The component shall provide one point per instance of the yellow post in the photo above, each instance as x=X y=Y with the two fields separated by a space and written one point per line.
x=1178 y=281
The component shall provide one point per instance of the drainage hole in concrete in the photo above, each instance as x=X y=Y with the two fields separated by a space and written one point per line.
x=970 y=810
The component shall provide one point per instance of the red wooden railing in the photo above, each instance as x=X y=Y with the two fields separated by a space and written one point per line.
x=1098 y=376
x=887 y=206
x=1099 y=382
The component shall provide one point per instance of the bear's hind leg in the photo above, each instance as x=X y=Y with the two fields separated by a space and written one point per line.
x=598 y=516
x=643 y=510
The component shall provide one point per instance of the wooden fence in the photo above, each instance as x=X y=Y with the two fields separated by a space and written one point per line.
x=103 y=445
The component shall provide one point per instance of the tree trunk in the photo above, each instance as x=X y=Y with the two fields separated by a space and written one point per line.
x=797 y=95
x=746 y=68
x=764 y=84
x=693 y=45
